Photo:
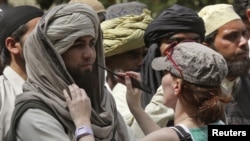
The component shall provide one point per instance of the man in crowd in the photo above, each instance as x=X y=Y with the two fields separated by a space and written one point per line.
x=227 y=34
x=16 y=24
x=241 y=7
x=68 y=50
x=124 y=49
x=174 y=24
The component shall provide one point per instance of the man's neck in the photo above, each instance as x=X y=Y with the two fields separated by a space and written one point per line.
x=19 y=69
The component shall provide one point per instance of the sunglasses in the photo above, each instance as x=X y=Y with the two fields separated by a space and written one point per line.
x=169 y=51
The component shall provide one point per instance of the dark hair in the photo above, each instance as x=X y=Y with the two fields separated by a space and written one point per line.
x=102 y=16
x=1 y=13
x=204 y=101
x=209 y=39
x=17 y=35
x=240 y=7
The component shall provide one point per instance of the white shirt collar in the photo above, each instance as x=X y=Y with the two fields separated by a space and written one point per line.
x=228 y=85
x=16 y=81
x=106 y=83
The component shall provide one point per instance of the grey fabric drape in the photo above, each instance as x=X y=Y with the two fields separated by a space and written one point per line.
x=47 y=74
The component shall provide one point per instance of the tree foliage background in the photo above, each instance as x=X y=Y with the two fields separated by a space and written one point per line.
x=156 y=6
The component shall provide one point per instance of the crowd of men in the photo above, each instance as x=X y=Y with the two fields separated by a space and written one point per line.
x=80 y=71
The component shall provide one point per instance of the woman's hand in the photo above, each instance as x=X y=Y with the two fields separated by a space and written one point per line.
x=133 y=95
x=133 y=74
x=79 y=105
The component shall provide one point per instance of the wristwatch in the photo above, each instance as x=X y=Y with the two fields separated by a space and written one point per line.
x=83 y=131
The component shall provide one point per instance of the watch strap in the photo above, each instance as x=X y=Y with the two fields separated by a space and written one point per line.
x=83 y=131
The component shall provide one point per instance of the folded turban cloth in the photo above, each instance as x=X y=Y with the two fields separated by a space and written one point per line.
x=125 y=33
x=173 y=20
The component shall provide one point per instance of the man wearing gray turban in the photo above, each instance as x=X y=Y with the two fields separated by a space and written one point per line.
x=67 y=48
x=174 y=24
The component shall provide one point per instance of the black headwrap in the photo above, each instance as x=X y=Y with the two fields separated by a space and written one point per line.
x=176 y=19
x=15 y=17
x=173 y=20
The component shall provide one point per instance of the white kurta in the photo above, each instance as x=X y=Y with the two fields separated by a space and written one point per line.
x=10 y=86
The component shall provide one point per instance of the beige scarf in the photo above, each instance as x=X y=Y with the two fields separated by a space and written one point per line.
x=47 y=74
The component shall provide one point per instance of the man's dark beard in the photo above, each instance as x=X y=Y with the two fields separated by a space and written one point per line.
x=87 y=80
x=238 y=68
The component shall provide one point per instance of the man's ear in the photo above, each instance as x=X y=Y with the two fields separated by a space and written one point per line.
x=248 y=14
x=205 y=43
x=12 y=45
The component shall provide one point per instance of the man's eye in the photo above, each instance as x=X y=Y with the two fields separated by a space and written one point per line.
x=171 y=40
x=78 y=45
x=178 y=40
x=92 y=44
x=165 y=72
x=232 y=36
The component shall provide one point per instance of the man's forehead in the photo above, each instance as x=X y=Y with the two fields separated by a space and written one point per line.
x=233 y=26
x=185 y=35
x=84 y=38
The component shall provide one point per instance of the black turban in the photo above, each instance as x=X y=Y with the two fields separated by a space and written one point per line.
x=174 y=20
x=15 y=17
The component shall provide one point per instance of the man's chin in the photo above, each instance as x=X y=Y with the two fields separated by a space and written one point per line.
x=236 y=69
x=87 y=68
x=86 y=73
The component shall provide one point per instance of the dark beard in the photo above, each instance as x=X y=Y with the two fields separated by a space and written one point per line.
x=86 y=80
x=237 y=68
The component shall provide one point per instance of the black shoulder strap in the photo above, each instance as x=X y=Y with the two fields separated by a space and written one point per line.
x=20 y=109
x=182 y=134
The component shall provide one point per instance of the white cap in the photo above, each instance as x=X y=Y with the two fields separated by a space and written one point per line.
x=215 y=16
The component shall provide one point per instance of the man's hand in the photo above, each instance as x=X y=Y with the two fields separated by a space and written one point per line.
x=79 y=105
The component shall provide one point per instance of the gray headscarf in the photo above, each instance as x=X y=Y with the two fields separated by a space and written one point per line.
x=48 y=76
